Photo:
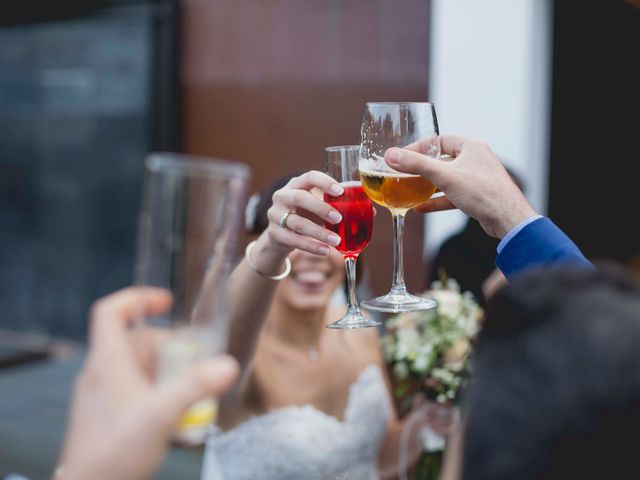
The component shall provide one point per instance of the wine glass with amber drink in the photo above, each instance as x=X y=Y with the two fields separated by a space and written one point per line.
x=386 y=125
x=341 y=163
x=188 y=230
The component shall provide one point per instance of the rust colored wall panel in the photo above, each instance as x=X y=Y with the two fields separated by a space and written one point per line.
x=272 y=82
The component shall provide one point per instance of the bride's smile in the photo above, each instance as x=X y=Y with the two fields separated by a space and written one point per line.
x=312 y=281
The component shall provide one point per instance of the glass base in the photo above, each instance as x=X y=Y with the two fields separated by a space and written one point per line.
x=354 y=321
x=398 y=303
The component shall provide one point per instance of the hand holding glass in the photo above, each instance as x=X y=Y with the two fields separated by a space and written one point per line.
x=387 y=125
x=188 y=233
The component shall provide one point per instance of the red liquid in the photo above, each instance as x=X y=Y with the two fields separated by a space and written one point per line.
x=357 y=219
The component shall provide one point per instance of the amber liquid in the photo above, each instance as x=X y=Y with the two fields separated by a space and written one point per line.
x=397 y=191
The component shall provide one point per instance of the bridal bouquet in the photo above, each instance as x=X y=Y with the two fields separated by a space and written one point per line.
x=428 y=353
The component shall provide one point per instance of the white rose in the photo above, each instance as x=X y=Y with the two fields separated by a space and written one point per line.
x=421 y=363
x=449 y=302
x=408 y=344
x=455 y=357
x=405 y=321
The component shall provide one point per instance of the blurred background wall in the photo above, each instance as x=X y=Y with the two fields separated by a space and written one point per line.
x=490 y=78
x=273 y=82
x=595 y=122
x=88 y=88
x=553 y=87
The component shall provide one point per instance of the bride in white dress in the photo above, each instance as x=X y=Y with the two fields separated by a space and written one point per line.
x=313 y=403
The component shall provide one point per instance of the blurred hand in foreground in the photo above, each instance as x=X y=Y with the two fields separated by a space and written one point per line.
x=120 y=421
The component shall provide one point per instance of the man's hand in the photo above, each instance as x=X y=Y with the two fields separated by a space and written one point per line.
x=472 y=178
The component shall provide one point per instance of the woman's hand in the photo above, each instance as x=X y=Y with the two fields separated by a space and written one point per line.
x=295 y=220
x=302 y=228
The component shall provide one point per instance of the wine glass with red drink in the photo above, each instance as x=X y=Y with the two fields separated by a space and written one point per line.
x=341 y=163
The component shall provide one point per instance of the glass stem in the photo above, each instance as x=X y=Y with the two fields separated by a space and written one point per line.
x=350 y=265
x=398 y=286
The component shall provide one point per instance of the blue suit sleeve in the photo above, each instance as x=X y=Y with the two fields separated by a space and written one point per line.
x=539 y=243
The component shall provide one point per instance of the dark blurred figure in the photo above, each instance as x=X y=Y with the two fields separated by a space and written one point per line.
x=468 y=256
x=557 y=379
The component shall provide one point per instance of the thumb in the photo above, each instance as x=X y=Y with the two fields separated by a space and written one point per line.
x=206 y=378
x=408 y=161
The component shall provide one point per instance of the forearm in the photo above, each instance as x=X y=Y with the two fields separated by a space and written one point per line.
x=251 y=295
x=519 y=210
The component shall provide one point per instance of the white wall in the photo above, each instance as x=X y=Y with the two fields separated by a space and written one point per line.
x=490 y=79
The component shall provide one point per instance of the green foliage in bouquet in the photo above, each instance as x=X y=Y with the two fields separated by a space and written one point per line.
x=429 y=353
x=430 y=349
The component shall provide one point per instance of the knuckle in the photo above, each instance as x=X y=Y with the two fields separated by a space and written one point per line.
x=314 y=177
x=304 y=177
x=480 y=145
x=298 y=196
x=293 y=180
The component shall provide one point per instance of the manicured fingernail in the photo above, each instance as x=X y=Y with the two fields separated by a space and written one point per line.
x=337 y=189
x=334 y=240
x=393 y=155
x=335 y=217
x=323 y=250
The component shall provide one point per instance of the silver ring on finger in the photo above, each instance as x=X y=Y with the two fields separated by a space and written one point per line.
x=283 y=219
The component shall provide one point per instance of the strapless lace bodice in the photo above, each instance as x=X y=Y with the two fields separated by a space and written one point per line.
x=302 y=442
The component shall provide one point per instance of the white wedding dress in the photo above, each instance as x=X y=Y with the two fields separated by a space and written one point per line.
x=302 y=442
